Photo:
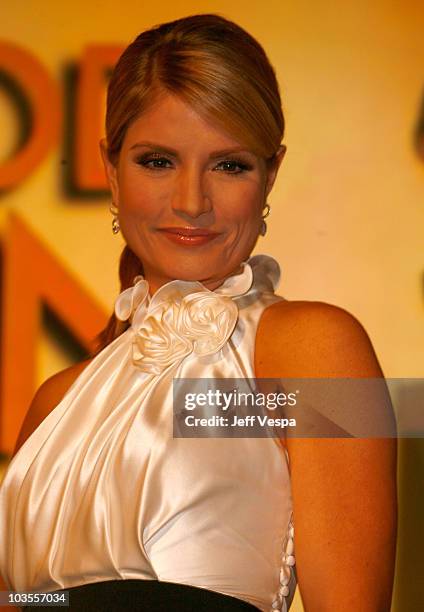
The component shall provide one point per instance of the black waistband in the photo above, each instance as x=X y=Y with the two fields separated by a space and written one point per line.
x=146 y=595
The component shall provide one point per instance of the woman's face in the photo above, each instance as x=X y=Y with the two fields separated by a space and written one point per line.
x=177 y=171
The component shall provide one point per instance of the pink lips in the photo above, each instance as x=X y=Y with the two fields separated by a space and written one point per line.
x=188 y=235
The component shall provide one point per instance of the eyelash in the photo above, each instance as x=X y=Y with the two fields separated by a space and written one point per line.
x=146 y=159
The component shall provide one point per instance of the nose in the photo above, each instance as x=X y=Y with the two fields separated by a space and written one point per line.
x=190 y=195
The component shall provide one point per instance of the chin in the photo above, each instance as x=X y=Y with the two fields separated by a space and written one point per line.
x=192 y=268
x=193 y=272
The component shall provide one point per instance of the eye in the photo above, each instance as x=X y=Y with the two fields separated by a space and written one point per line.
x=232 y=164
x=158 y=161
x=155 y=161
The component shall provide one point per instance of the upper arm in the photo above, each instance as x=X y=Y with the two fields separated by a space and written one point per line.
x=46 y=398
x=344 y=489
x=314 y=339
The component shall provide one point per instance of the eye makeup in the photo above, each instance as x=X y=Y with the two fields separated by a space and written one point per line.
x=151 y=157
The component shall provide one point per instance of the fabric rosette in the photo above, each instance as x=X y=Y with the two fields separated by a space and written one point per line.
x=208 y=320
x=157 y=344
x=181 y=318
x=200 y=323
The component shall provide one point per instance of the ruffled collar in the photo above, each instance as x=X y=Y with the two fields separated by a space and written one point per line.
x=184 y=317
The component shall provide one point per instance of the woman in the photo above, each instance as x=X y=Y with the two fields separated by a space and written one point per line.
x=100 y=499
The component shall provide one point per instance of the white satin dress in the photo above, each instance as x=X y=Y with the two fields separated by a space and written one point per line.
x=101 y=490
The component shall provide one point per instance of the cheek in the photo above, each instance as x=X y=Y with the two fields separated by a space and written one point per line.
x=240 y=204
x=137 y=197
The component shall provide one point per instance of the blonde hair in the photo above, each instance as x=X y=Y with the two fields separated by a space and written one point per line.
x=217 y=68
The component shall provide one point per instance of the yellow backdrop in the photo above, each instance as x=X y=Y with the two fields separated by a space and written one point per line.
x=347 y=209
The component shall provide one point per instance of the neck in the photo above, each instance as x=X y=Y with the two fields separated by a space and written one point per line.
x=156 y=282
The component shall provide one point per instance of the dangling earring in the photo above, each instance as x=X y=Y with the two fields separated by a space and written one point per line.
x=115 y=222
x=264 y=226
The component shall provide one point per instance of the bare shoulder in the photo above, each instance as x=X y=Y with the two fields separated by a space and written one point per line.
x=310 y=338
x=47 y=397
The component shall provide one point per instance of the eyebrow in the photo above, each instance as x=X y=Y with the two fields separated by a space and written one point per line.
x=169 y=151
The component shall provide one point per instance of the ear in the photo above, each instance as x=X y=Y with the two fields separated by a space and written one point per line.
x=273 y=168
x=110 y=171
